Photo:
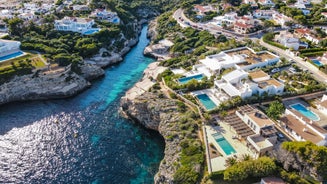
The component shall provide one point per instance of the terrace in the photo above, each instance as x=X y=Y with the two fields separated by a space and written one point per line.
x=251 y=57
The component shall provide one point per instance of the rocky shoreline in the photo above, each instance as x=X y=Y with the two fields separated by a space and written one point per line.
x=147 y=105
x=62 y=83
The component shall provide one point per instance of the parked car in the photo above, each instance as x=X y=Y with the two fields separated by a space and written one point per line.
x=292 y=70
x=275 y=70
x=280 y=136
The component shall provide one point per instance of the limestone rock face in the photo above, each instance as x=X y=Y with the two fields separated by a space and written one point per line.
x=39 y=86
x=91 y=72
x=158 y=114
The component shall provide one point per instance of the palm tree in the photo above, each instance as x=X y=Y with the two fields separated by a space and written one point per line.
x=246 y=157
x=230 y=161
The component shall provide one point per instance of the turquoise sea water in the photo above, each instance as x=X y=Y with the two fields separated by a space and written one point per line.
x=81 y=139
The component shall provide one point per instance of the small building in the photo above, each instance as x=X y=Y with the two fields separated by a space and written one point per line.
x=228 y=19
x=289 y=40
x=271 y=180
x=266 y=14
x=27 y=16
x=259 y=145
x=266 y=2
x=202 y=10
x=81 y=8
x=104 y=15
x=253 y=3
x=245 y=25
x=281 y=19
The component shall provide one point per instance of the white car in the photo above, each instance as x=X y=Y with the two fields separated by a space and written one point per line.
x=275 y=70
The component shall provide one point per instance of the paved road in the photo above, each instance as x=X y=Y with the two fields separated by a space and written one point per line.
x=183 y=21
x=317 y=74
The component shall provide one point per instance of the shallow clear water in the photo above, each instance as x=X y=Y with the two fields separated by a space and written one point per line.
x=81 y=139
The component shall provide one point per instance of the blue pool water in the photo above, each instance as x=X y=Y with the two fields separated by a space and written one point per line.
x=224 y=144
x=116 y=20
x=89 y=32
x=10 y=56
x=206 y=101
x=317 y=62
x=185 y=80
x=305 y=112
x=37 y=143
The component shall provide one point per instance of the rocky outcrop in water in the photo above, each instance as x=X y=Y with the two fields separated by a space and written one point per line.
x=158 y=114
x=42 y=86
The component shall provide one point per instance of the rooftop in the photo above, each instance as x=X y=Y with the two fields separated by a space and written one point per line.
x=301 y=129
x=258 y=74
x=260 y=119
x=269 y=82
x=260 y=141
x=251 y=57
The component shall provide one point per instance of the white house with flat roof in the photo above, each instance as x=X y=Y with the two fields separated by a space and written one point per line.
x=8 y=47
x=228 y=19
x=244 y=84
x=259 y=145
x=281 y=19
x=239 y=58
x=103 y=14
x=266 y=14
x=74 y=24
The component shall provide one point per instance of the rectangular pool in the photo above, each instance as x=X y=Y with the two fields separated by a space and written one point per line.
x=92 y=31
x=223 y=143
x=317 y=62
x=305 y=112
x=185 y=80
x=11 y=56
x=206 y=101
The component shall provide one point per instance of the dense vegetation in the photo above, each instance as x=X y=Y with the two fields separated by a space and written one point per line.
x=310 y=155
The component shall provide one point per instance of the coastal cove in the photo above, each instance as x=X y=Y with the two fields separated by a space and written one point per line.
x=81 y=139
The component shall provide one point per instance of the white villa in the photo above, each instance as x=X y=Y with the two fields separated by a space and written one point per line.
x=254 y=126
x=8 y=47
x=281 y=19
x=236 y=83
x=103 y=14
x=228 y=19
x=266 y=14
x=288 y=40
x=74 y=24
x=240 y=58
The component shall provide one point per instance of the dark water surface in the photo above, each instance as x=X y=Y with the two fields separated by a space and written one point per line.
x=81 y=139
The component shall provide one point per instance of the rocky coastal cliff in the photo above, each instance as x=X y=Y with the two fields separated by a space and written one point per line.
x=158 y=114
x=42 y=86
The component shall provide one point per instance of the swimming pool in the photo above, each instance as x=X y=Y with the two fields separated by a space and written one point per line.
x=92 y=31
x=223 y=143
x=317 y=62
x=206 y=101
x=185 y=80
x=11 y=56
x=305 y=112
